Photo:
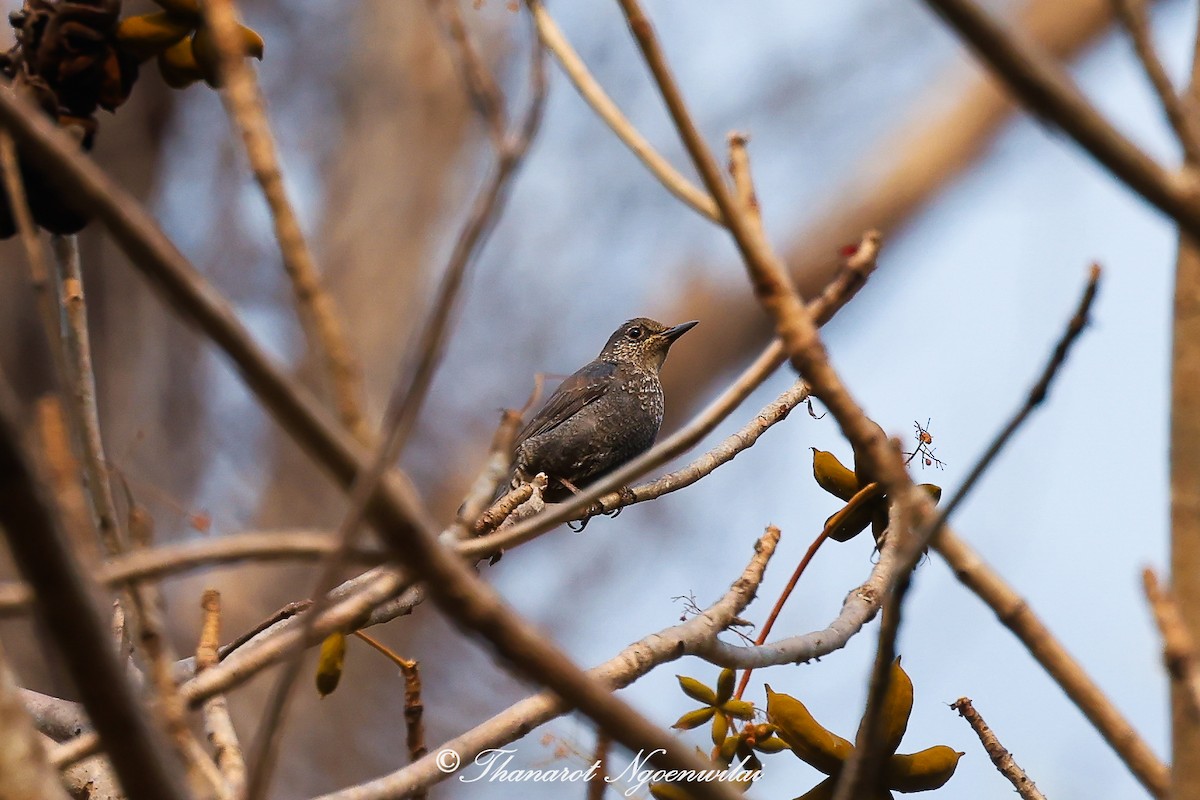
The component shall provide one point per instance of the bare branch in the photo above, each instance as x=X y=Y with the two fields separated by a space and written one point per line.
x=318 y=313
x=1046 y=89
x=1003 y=760
x=81 y=391
x=218 y=725
x=170 y=559
x=1132 y=14
x=1179 y=649
x=591 y=91
x=25 y=774
x=74 y=621
x=630 y=664
x=1016 y=615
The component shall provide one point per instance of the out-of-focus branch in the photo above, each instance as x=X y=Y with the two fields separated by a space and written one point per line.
x=1016 y=615
x=318 y=313
x=25 y=774
x=218 y=725
x=74 y=622
x=593 y=93
x=478 y=80
x=1046 y=89
x=1185 y=474
x=952 y=126
x=1000 y=756
x=81 y=390
x=1132 y=14
x=627 y=666
x=170 y=559
x=269 y=647
x=396 y=503
x=1179 y=649
x=36 y=260
x=412 y=384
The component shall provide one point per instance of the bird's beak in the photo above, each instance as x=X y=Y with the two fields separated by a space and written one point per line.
x=671 y=334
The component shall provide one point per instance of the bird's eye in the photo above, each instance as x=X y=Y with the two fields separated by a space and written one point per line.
x=634 y=333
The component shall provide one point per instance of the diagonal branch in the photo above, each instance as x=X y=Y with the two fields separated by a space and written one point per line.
x=1016 y=615
x=633 y=662
x=593 y=93
x=1047 y=90
x=318 y=314
x=67 y=606
x=396 y=503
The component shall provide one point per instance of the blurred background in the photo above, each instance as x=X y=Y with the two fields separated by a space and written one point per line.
x=861 y=113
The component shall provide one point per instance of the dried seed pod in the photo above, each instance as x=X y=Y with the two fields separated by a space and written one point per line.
x=920 y=772
x=833 y=476
x=697 y=690
x=147 y=35
x=330 y=663
x=808 y=739
x=694 y=719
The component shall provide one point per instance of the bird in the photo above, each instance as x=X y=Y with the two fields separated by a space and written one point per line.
x=605 y=414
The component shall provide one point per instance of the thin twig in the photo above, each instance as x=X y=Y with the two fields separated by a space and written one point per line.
x=171 y=559
x=414 y=709
x=318 y=313
x=724 y=452
x=1179 y=649
x=218 y=725
x=81 y=390
x=150 y=625
x=1000 y=756
x=594 y=95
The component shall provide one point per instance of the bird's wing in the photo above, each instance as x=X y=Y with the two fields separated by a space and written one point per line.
x=584 y=387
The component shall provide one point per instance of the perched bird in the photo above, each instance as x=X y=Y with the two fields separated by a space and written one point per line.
x=602 y=416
